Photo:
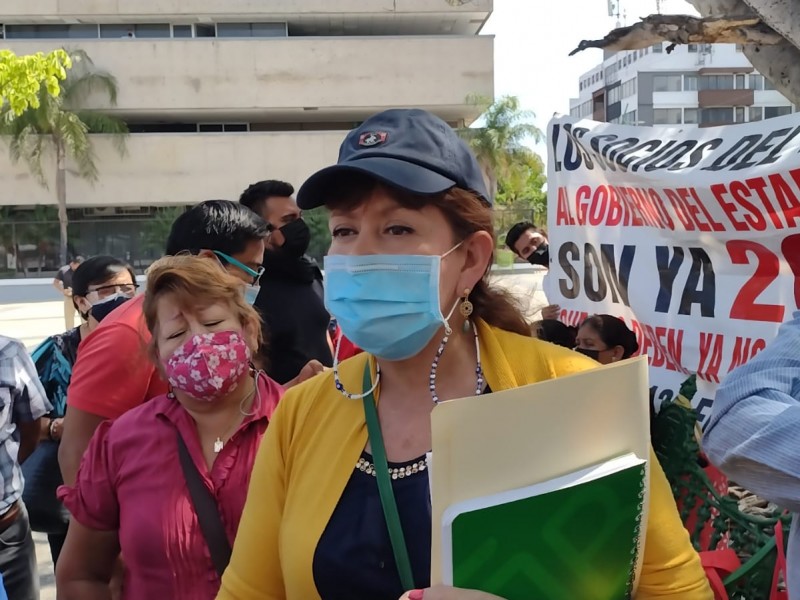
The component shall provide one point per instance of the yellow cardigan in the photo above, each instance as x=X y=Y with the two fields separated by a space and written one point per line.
x=315 y=439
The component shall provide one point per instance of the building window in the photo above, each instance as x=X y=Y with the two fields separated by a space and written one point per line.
x=181 y=31
x=629 y=118
x=690 y=83
x=628 y=88
x=716 y=116
x=739 y=47
x=615 y=94
x=690 y=116
x=767 y=84
x=658 y=48
x=776 y=111
x=51 y=32
x=716 y=82
x=692 y=47
x=756 y=82
x=756 y=113
x=205 y=31
x=740 y=82
x=667 y=83
x=738 y=114
x=666 y=116
x=251 y=29
x=143 y=30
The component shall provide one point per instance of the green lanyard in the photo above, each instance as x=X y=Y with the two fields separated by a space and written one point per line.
x=388 y=503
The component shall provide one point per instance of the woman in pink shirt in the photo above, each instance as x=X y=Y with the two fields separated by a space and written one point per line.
x=131 y=494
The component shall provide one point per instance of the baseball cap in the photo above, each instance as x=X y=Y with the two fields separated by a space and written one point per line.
x=410 y=149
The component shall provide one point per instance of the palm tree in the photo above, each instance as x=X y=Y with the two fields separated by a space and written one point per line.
x=59 y=128
x=499 y=142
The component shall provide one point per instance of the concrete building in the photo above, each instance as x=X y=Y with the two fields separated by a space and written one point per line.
x=696 y=85
x=218 y=94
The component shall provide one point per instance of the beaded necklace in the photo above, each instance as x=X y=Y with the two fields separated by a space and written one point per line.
x=434 y=367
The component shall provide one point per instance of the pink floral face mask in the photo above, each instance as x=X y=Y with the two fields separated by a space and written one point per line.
x=209 y=366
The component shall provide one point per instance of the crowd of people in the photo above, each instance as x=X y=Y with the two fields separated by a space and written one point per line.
x=219 y=435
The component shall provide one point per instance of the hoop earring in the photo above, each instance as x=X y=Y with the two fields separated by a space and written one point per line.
x=466 y=310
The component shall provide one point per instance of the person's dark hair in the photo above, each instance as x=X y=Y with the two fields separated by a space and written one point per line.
x=516 y=231
x=219 y=225
x=613 y=332
x=556 y=332
x=96 y=271
x=256 y=194
x=467 y=214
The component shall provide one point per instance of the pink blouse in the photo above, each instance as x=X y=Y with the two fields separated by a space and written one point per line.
x=131 y=480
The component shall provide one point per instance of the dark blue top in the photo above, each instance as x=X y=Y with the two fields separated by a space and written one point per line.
x=354 y=558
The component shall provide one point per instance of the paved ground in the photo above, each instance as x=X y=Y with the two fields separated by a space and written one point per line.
x=47 y=579
x=32 y=310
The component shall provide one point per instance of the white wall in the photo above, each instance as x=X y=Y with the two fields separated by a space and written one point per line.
x=165 y=169
x=229 y=8
x=213 y=76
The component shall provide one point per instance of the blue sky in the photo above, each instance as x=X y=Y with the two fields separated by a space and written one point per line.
x=534 y=37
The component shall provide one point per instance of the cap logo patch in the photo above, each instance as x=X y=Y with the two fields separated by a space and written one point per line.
x=372 y=138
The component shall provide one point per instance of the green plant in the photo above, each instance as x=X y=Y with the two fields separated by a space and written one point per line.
x=59 y=129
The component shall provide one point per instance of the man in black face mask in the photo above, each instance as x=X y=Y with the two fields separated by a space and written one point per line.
x=291 y=300
x=529 y=243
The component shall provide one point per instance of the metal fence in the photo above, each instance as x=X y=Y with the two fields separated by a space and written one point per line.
x=31 y=248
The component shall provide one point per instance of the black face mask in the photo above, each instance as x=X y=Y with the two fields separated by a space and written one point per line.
x=540 y=256
x=103 y=309
x=594 y=354
x=297 y=237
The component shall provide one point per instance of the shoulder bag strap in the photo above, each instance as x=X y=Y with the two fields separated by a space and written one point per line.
x=205 y=505
x=388 y=502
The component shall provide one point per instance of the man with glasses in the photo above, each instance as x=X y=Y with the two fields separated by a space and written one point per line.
x=291 y=302
x=112 y=374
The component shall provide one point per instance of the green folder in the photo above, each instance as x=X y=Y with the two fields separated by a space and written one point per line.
x=576 y=537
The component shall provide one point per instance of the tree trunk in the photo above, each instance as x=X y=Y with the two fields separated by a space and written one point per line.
x=61 y=196
x=779 y=63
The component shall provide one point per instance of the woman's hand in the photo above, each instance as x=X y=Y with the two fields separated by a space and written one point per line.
x=445 y=592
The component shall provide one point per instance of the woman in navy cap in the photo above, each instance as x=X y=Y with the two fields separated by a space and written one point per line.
x=406 y=279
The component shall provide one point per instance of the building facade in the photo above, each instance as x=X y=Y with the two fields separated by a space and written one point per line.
x=698 y=85
x=218 y=94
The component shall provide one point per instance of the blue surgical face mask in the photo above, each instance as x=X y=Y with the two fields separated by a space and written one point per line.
x=251 y=293
x=386 y=304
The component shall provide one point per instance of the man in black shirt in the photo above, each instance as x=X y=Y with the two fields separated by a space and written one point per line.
x=291 y=300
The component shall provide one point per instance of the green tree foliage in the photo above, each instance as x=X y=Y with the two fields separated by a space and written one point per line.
x=58 y=129
x=317 y=221
x=499 y=141
x=22 y=78
x=514 y=173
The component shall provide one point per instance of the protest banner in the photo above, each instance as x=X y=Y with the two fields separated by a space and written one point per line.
x=690 y=235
